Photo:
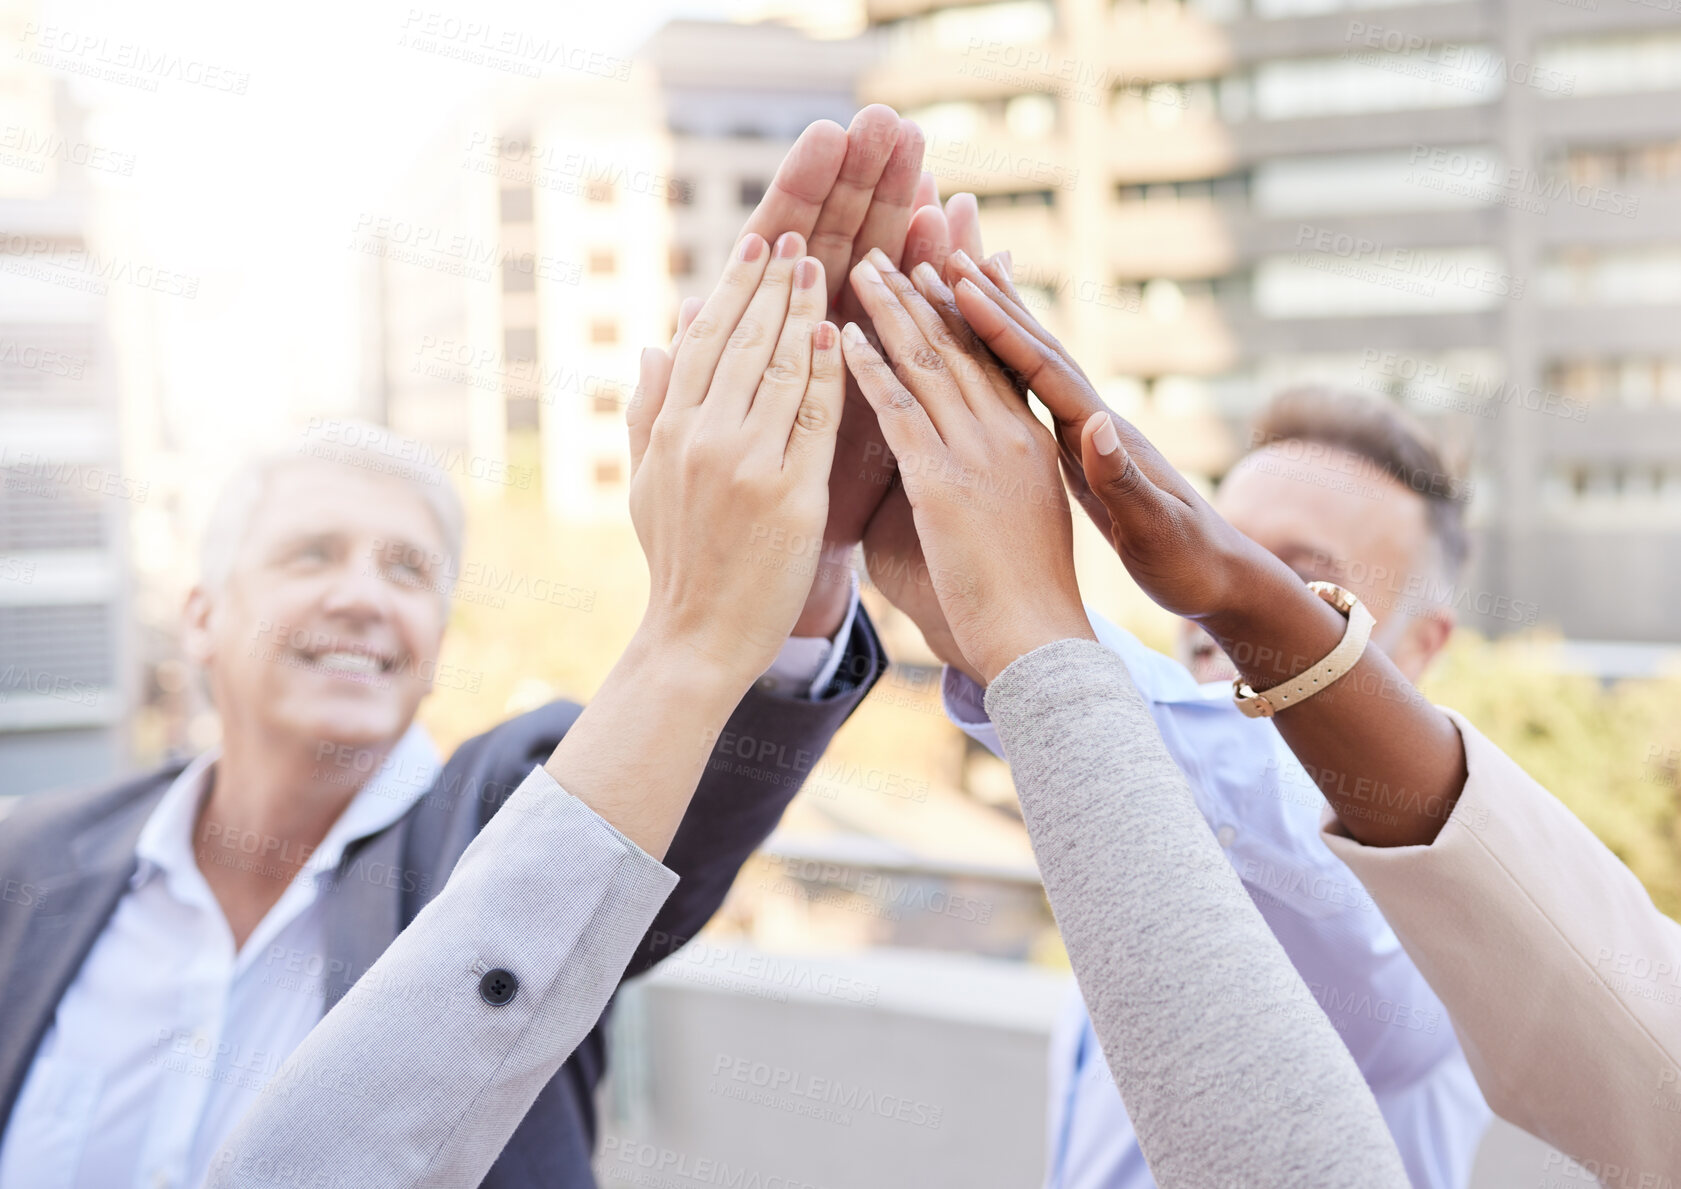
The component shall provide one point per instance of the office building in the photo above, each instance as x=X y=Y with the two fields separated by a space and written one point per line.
x=1473 y=207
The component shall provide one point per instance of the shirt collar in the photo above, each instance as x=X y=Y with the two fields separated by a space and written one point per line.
x=1159 y=678
x=165 y=845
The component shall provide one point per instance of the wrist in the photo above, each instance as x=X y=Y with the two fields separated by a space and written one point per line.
x=831 y=593
x=689 y=663
x=1271 y=625
x=1017 y=635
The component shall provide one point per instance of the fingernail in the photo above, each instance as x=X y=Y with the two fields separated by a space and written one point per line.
x=648 y=354
x=805 y=273
x=853 y=335
x=867 y=270
x=925 y=273
x=787 y=246
x=961 y=259
x=1105 y=439
x=1004 y=261
x=751 y=245
x=879 y=258
x=825 y=336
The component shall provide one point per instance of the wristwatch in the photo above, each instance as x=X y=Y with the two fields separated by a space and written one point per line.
x=1338 y=661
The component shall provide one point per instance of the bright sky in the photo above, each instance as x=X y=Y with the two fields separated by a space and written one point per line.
x=257 y=193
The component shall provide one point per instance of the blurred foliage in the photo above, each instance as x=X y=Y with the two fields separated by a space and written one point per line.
x=1611 y=752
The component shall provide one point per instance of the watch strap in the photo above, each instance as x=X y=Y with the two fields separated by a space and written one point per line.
x=1316 y=677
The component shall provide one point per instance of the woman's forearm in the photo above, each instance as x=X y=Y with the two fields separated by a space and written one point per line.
x=1229 y=1069
x=639 y=748
x=1391 y=765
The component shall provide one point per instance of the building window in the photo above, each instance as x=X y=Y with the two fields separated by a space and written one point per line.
x=680 y=192
x=1031 y=117
x=1608 y=165
x=750 y=190
x=516 y=205
x=682 y=261
x=604 y=332
x=522 y=413
x=1016 y=198
x=606 y=400
x=516 y=279
x=599 y=191
x=608 y=472
x=1373 y=80
x=519 y=342
x=1618 y=64
x=602 y=262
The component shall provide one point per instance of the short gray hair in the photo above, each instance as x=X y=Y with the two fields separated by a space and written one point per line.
x=370 y=449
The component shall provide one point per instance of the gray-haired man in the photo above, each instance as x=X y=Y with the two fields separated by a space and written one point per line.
x=185 y=930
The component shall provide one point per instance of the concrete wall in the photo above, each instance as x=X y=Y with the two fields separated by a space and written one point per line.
x=888 y=1069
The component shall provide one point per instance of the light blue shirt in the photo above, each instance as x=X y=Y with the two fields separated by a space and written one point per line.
x=1265 y=812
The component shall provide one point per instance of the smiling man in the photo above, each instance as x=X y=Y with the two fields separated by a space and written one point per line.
x=185 y=930
x=196 y=923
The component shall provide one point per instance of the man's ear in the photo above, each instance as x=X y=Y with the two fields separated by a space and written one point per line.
x=196 y=638
x=1429 y=633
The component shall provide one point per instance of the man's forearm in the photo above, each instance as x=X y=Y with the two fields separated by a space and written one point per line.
x=1390 y=764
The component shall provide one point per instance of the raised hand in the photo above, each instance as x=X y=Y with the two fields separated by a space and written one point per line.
x=977 y=469
x=1182 y=552
x=731 y=444
x=731 y=435
x=892 y=551
x=846 y=191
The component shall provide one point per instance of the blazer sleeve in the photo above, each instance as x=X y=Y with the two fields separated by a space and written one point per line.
x=1228 y=1067
x=1562 y=978
x=420 y=1074
x=765 y=753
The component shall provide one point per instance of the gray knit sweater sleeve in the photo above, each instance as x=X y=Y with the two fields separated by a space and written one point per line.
x=1231 y=1072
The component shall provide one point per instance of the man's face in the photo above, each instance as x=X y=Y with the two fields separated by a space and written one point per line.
x=328 y=627
x=1332 y=517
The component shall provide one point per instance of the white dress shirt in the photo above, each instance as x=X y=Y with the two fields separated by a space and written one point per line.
x=167 y=1033
x=1265 y=812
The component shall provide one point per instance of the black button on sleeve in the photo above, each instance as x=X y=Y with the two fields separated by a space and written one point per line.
x=498 y=987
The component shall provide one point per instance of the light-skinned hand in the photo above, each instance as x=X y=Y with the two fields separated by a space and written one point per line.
x=977 y=469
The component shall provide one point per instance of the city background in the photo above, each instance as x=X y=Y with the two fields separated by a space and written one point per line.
x=210 y=239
